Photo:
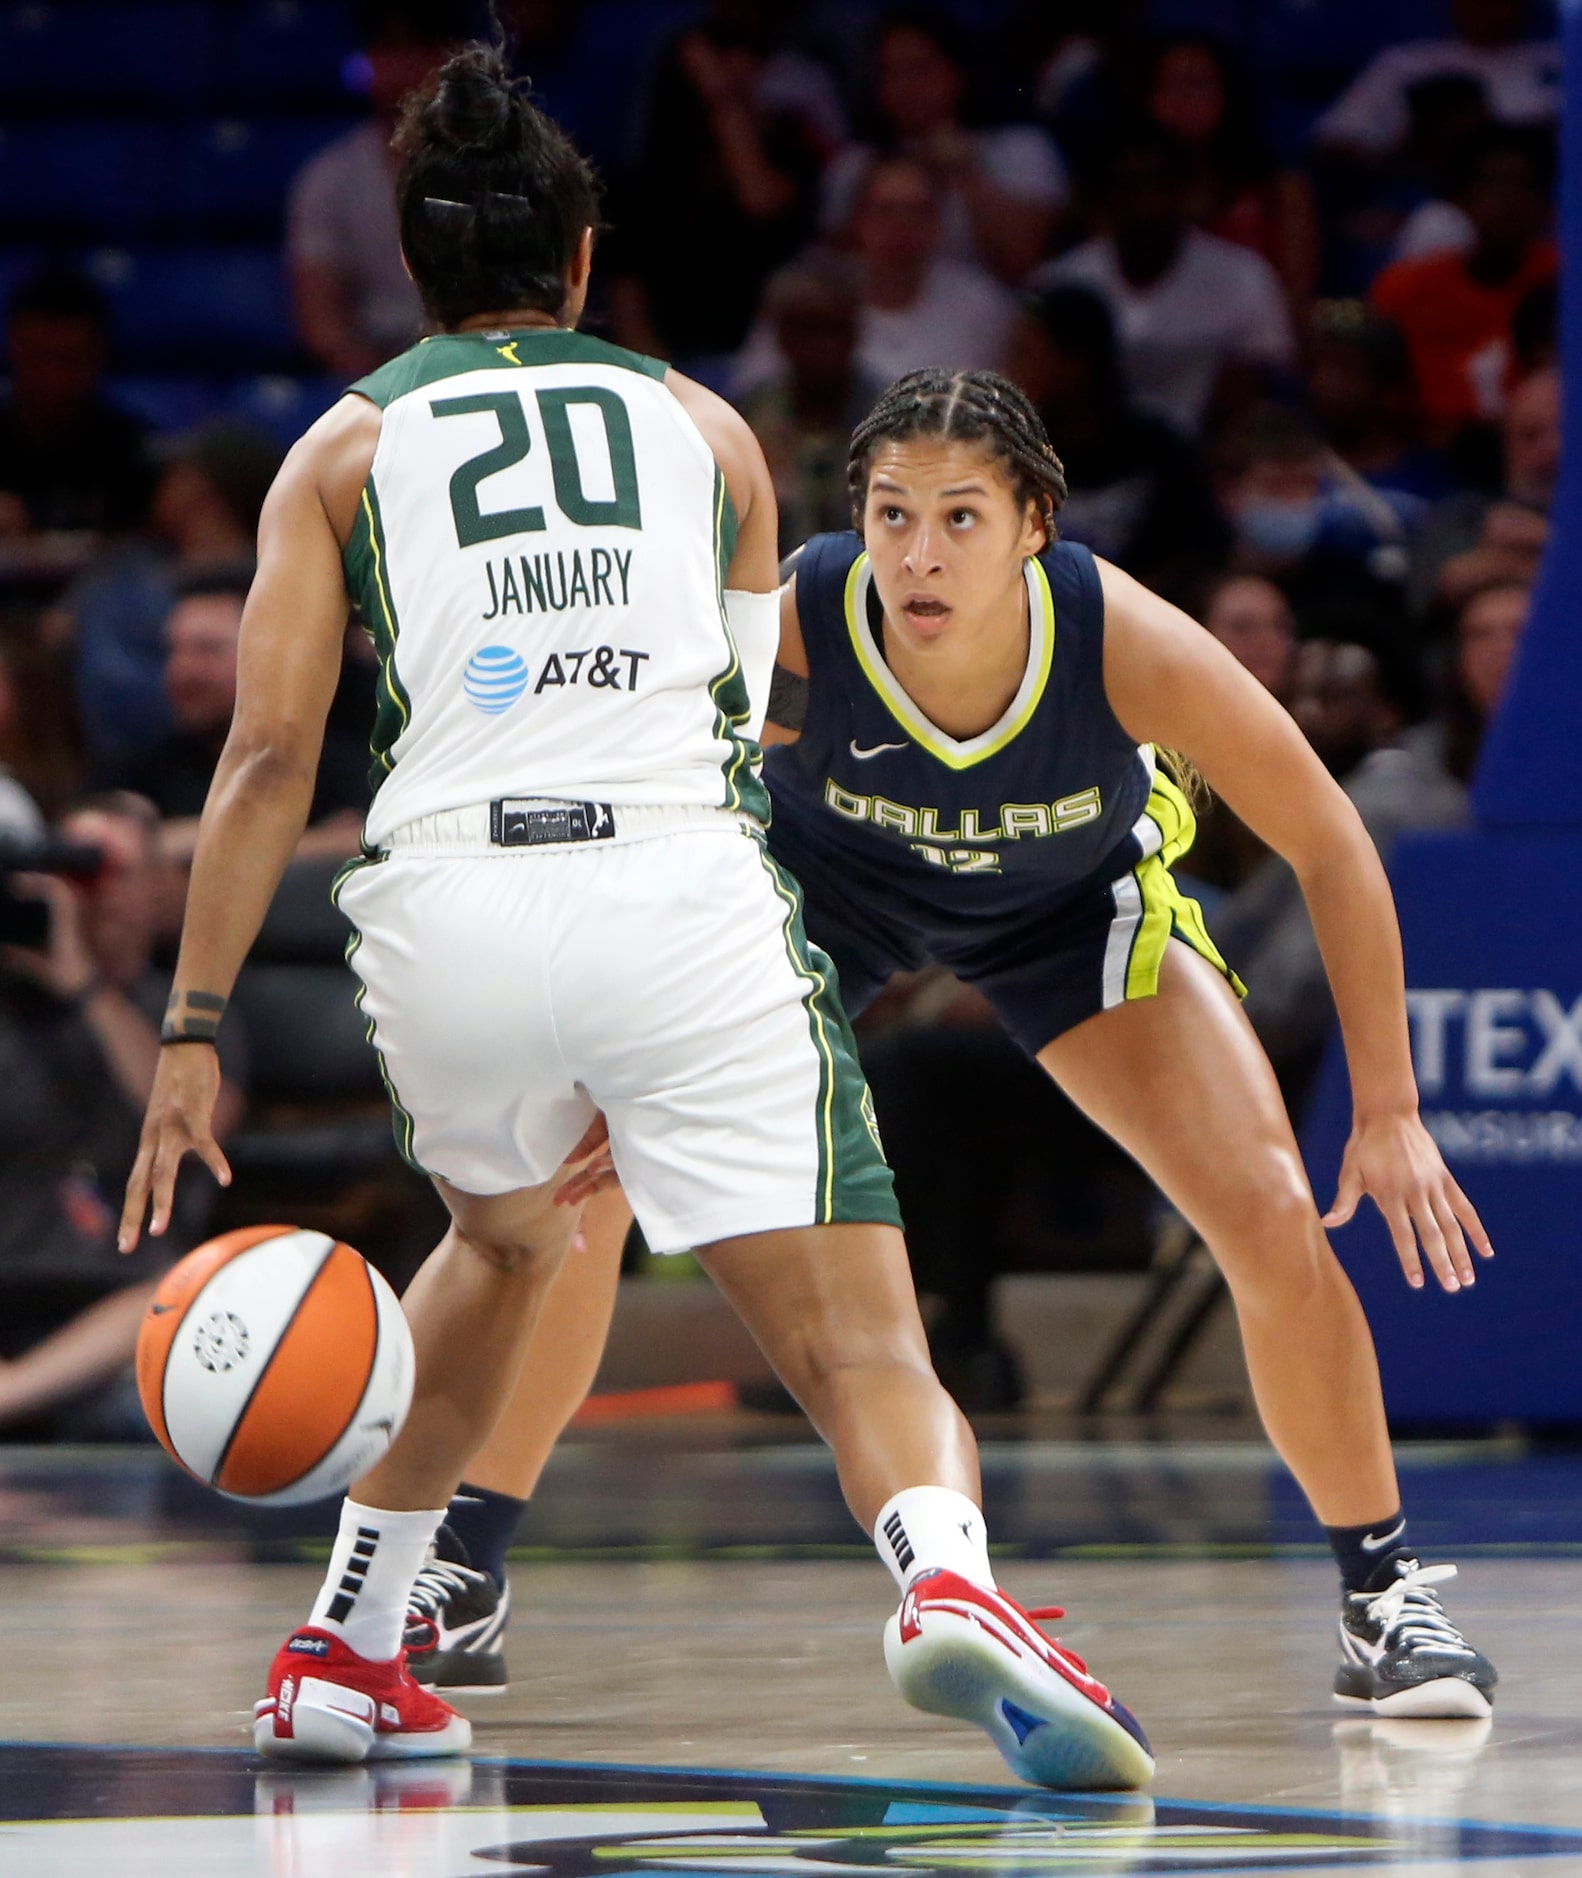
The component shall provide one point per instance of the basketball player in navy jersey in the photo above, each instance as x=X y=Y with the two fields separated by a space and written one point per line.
x=977 y=782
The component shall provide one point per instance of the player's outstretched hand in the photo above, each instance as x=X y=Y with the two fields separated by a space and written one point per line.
x=593 y=1171
x=1397 y=1160
x=179 y=1121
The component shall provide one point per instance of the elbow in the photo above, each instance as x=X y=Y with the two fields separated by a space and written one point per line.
x=1335 y=857
x=267 y=765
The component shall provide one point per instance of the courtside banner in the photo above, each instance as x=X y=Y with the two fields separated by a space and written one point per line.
x=1492 y=923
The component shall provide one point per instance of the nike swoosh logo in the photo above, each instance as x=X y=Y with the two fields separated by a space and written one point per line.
x=1378 y=1545
x=159 y=1310
x=878 y=749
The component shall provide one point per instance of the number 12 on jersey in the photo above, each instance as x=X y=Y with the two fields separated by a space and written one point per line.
x=620 y=510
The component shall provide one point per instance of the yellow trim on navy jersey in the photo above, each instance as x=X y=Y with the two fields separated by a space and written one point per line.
x=957 y=753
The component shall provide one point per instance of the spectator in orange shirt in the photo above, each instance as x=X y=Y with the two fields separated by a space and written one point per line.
x=1456 y=308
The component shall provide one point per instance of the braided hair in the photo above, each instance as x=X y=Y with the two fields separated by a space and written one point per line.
x=970 y=407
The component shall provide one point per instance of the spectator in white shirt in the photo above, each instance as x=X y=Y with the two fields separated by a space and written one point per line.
x=918 y=307
x=1200 y=320
x=1521 y=77
x=1002 y=188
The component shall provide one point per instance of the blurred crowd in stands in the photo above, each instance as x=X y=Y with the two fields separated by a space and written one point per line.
x=1290 y=319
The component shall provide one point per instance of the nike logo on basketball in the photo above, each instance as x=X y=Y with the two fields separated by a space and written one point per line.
x=878 y=749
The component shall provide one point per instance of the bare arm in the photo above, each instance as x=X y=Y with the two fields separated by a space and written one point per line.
x=788 y=694
x=755 y=562
x=127 y=1042
x=1172 y=683
x=87 y=1350
x=761 y=190
x=129 y=1045
x=258 y=803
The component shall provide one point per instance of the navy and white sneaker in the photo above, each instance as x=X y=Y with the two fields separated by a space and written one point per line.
x=455 y=1629
x=1400 y=1654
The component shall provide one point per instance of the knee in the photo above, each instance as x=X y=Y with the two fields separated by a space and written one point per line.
x=829 y=1366
x=1274 y=1247
x=512 y=1252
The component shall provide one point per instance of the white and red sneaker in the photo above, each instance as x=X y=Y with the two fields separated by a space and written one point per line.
x=327 y=1703
x=955 y=1648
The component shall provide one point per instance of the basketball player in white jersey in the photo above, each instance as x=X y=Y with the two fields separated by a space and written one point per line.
x=566 y=907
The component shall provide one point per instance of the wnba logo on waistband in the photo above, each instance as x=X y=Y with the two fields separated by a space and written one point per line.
x=495 y=678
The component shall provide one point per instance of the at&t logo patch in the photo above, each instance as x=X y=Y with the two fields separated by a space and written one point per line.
x=495 y=678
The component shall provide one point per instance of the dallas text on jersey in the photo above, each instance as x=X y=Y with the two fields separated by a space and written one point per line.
x=1017 y=821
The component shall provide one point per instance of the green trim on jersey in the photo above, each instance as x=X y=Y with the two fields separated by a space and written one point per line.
x=401 y=1122
x=855 y=1185
x=366 y=561
x=744 y=788
x=450 y=355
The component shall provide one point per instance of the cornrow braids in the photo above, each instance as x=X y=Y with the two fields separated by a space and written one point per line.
x=973 y=407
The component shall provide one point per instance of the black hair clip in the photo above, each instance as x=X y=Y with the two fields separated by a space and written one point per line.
x=450 y=218
x=494 y=202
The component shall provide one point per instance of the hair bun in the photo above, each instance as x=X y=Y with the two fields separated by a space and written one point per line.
x=473 y=104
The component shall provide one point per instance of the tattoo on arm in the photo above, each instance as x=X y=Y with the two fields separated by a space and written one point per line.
x=192 y=1017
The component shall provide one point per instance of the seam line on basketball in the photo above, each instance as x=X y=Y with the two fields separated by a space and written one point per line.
x=373 y=1370
x=258 y=1381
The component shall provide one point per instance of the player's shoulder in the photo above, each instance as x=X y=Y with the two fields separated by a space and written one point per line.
x=1072 y=573
x=823 y=568
x=723 y=427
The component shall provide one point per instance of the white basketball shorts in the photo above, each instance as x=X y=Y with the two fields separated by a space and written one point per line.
x=666 y=981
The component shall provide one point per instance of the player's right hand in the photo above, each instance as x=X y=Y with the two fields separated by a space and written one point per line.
x=179 y=1121
x=596 y=1172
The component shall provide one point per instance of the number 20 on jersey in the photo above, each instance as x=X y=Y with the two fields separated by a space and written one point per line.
x=621 y=509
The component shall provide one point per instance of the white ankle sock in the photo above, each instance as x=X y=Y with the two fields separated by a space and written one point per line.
x=924 y=1527
x=377 y=1556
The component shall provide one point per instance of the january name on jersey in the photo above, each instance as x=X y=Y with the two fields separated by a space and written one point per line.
x=549 y=583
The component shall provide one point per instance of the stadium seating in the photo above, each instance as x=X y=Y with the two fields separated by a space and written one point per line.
x=190 y=307
x=232 y=174
x=97 y=53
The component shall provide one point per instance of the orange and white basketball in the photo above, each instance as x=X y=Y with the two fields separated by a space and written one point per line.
x=275 y=1364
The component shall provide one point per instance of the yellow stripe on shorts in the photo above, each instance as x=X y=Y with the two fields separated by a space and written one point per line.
x=1157 y=906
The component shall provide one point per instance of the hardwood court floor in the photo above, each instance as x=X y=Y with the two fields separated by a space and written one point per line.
x=776 y=1667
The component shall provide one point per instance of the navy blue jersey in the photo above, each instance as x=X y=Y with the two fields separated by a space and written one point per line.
x=958 y=837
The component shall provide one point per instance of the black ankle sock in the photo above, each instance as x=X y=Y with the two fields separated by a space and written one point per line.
x=1368 y=1555
x=479 y=1527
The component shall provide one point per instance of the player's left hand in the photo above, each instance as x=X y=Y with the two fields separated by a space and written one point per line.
x=593 y=1170
x=1396 y=1159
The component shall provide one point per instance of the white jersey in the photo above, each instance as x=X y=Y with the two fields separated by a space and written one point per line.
x=539 y=553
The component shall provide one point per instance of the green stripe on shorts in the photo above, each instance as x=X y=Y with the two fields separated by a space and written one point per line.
x=854 y=1181
x=401 y=1122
